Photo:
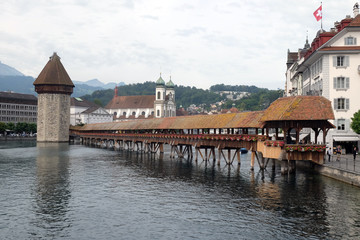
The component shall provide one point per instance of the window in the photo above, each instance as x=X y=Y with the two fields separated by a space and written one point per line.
x=133 y=113
x=158 y=113
x=143 y=113
x=158 y=95
x=340 y=124
x=341 y=61
x=341 y=104
x=124 y=113
x=350 y=41
x=341 y=83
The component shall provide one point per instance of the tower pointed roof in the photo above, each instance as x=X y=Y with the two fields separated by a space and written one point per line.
x=54 y=73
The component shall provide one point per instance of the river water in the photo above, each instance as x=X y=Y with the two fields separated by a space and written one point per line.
x=61 y=191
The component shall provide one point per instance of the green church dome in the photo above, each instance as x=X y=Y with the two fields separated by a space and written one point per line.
x=160 y=81
x=170 y=84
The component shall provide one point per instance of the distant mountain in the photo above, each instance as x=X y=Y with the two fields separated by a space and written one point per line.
x=96 y=83
x=13 y=80
x=6 y=70
x=18 y=84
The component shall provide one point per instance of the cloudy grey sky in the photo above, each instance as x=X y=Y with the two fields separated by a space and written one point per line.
x=198 y=42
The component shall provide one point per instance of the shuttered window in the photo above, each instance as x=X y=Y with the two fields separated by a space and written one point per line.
x=350 y=41
x=341 y=83
x=341 y=104
x=341 y=61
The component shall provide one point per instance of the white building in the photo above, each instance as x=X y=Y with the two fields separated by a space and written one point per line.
x=162 y=104
x=85 y=112
x=18 y=107
x=330 y=67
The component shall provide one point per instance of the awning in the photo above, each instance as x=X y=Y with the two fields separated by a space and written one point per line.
x=346 y=138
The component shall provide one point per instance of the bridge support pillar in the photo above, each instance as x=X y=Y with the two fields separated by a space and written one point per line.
x=288 y=166
x=252 y=163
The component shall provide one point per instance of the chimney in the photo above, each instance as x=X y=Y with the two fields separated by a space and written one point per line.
x=356 y=9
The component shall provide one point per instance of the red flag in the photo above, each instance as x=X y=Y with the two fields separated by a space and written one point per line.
x=318 y=13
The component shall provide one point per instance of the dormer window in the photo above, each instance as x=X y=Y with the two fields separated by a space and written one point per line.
x=350 y=41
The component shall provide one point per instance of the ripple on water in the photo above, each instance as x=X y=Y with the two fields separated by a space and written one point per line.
x=76 y=192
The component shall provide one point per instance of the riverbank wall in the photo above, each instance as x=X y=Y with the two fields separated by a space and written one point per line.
x=17 y=138
x=343 y=175
x=334 y=170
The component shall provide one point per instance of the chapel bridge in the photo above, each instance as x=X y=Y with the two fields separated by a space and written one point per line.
x=227 y=133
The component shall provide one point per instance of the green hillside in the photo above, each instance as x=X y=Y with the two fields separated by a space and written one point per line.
x=260 y=98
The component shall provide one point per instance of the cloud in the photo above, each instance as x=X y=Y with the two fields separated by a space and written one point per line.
x=190 y=31
x=150 y=17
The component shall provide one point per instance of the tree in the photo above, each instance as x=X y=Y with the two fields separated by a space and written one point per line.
x=10 y=126
x=355 y=122
x=2 y=127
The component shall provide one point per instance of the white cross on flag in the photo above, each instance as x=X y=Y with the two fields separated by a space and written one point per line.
x=318 y=13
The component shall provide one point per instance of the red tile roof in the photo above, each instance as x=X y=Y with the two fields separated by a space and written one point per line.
x=355 y=22
x=124 y=102
x=340 y=48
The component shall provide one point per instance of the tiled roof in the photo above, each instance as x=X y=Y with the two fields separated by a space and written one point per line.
x=355 y=22
x=231 y=120
x=340 y=48
x=289 y=108
x=82 y=103
x=299 y=108
x=17 y=96
x=124 y=102
x=54 y=73
x=90 y=110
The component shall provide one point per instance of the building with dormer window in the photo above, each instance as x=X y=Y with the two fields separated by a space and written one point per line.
x=330 y=67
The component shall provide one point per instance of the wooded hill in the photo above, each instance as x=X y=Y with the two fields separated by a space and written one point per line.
x=260 y=98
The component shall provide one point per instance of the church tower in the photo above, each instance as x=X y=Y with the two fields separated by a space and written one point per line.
x=160 y=94
x=54 y=88
x=170 y=103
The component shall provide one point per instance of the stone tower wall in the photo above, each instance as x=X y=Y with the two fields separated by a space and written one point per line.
x=53 y=118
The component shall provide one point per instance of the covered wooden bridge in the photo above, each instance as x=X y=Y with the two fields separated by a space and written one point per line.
x=265 y=133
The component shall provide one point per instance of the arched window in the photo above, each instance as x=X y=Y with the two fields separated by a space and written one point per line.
x=152 y=112
x=158 y=113
x=143 y=113
x=133 y=113
x=124 y=113
x=115 y=113
x=159 y=95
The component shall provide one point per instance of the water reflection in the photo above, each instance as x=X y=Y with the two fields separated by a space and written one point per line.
x=295 y=201
x=52 y=192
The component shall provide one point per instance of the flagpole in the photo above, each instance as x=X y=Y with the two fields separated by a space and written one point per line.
x=321 y=15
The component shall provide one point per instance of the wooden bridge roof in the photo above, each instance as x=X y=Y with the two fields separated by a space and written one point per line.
x=297 y=108
x=230 y=120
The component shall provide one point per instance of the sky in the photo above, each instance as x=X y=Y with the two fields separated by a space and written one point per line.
x=199 y=43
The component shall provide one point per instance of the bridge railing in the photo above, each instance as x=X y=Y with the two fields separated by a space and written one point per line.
x=227 y=137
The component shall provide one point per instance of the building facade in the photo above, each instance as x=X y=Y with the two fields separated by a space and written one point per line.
x=162 y=104
x=330 y=67
x=85 y=112
x=18 y=107
x=54 y=88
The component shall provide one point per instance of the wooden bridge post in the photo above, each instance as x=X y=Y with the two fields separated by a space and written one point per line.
x=219 y=153
x=252 y=163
